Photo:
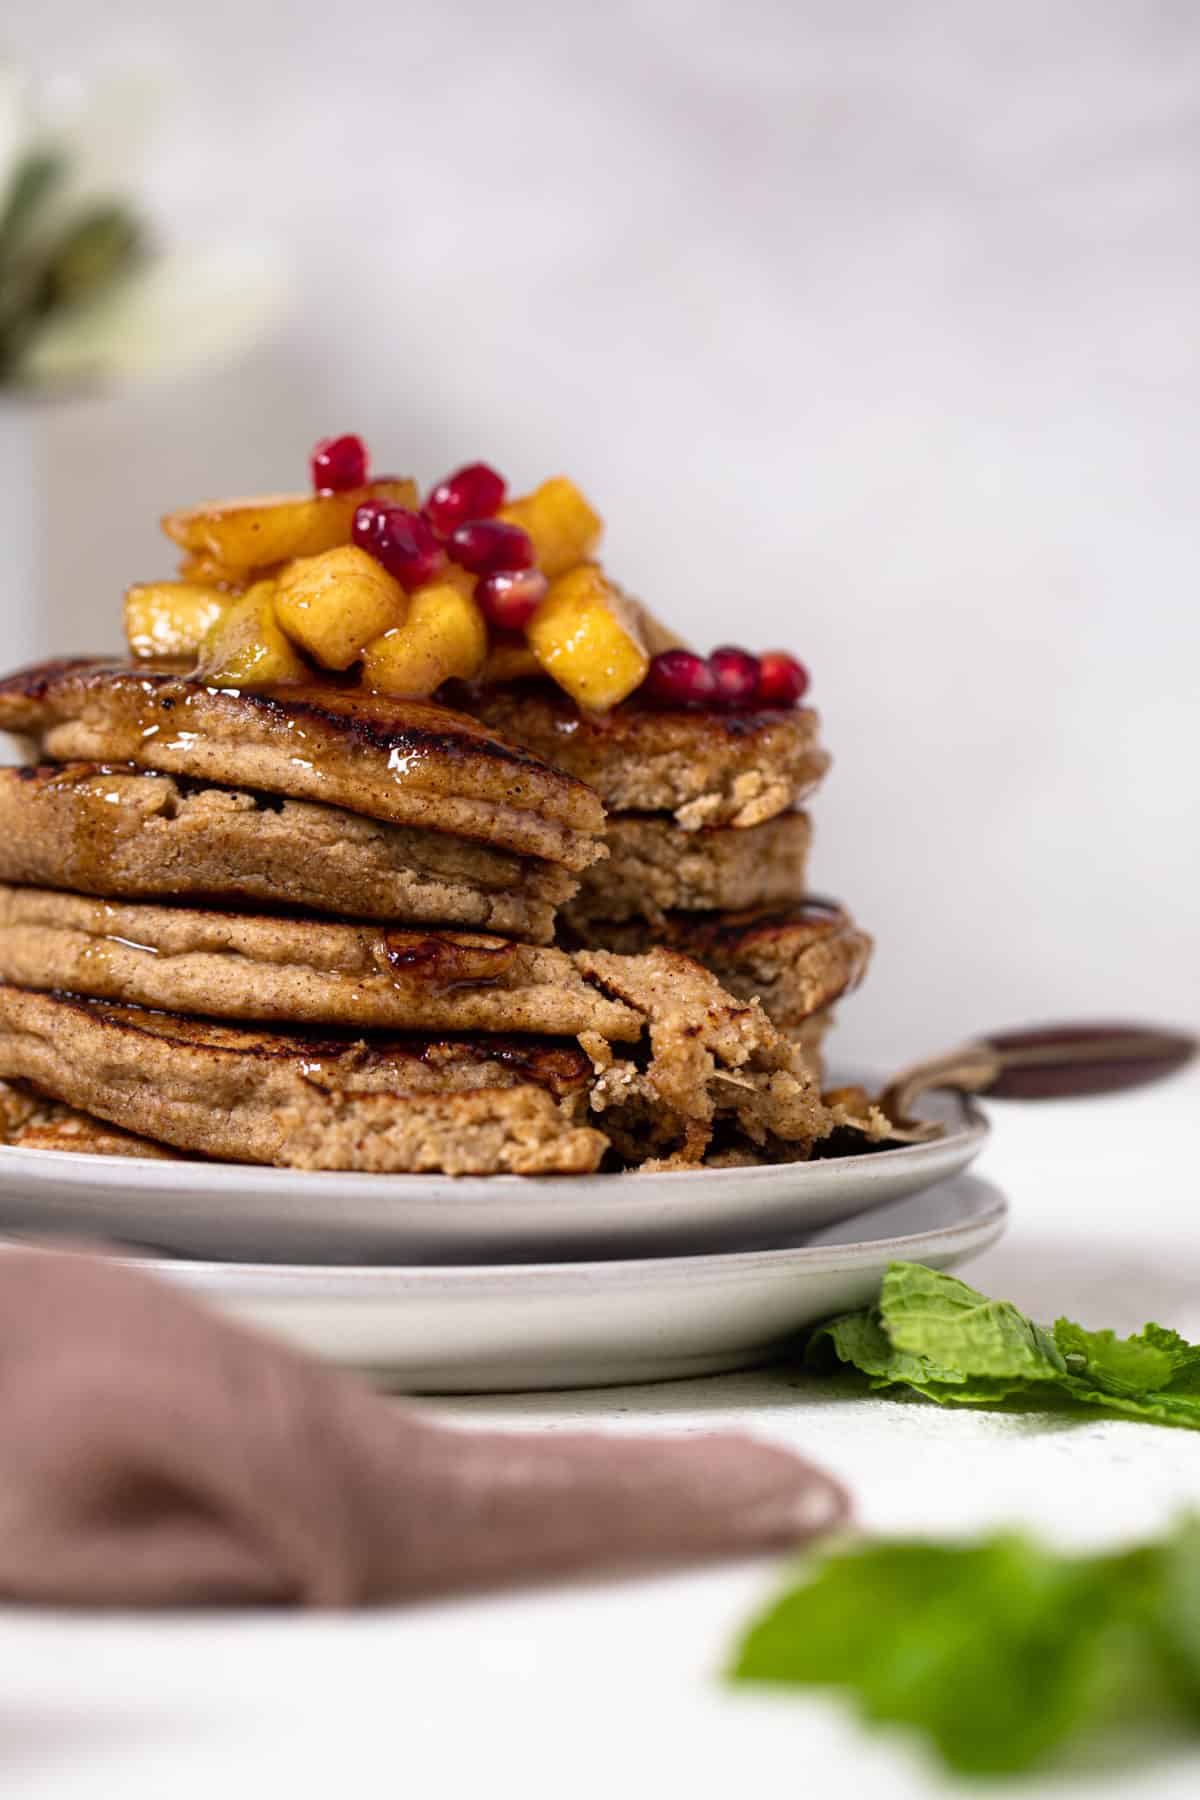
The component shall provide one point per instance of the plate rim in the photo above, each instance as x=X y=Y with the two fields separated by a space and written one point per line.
x=990 y=1213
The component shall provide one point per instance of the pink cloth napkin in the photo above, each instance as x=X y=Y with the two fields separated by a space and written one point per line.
x=154 y=1454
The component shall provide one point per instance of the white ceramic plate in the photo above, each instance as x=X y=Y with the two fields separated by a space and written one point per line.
x=238 y=1212
x=554 y=1325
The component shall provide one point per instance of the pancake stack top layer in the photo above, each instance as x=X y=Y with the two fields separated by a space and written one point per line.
x=395 y=848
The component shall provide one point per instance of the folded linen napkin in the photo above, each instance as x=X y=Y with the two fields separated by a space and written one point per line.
x=152 y=1453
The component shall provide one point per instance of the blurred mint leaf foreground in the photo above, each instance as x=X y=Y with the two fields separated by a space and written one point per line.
x=88 y=293
x=938 y=1337
x=1002 y=1653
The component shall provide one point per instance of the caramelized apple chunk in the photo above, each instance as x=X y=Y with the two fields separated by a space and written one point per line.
x=171 y=618
x=443 y=638
x=586 y=636
x=564 y=528
x=332 y=605
x=206 y=571
x=509 y=658
x=239 y=535
x=245 y=648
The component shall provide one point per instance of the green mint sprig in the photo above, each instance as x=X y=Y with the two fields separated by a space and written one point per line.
x=935 y=1335
x=1001 y=1652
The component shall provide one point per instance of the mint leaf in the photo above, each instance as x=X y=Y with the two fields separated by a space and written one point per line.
x=860 y=1340
x=1001 y=1652
x=1163 y=1408
x=1152 y=1359
x=946 y=1341
x=937 y=1316
x=1179 y=1611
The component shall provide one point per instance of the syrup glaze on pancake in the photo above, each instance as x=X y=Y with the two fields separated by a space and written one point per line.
x=404 y=761
x=126 y=833
x=299 y=970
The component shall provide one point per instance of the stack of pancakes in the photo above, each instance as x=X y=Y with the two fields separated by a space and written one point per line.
x=315 y=927
x=707 y=847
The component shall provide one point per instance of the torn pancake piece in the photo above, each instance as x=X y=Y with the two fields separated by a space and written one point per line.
x=797 y=960
x=710 y=1061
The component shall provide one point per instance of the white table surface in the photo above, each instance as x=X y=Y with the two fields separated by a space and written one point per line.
x=613 y=1687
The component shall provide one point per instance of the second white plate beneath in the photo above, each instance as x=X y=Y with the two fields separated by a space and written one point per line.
x=591 y=1324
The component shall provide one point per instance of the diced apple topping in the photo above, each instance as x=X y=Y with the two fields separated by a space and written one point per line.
x=334 y=604
x=467 y=586
x=206 y=571
x=241 y=535
x=508 y=659
x=247 y=649
x=564 y=528
x=585 y=635
x=171 y=618
x=443 y=638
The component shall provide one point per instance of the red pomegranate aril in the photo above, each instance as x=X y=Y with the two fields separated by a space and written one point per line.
x=679 y=678
x=475 y=492
x=736 y=674
x=782 y=681
x=509 y=599
x=401 y=540
x=490 y=547
x=339 y=463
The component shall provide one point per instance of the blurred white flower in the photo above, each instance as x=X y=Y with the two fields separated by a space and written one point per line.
x=184 y=309
x=17 y=124
x=86 y=292
x=103 y=131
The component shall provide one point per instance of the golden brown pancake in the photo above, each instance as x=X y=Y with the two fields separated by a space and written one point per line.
x=93 y=828
x=707 y=768
x=305 y=1101
x=298 y=971
x=407 y=762
x=797 y=960
x=654 y=867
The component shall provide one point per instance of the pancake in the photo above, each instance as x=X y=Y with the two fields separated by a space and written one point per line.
x=473 y=1104
x=304 y=1101
x=797 y=960
x=125 y=834
x=30 y=1121
x=299 y=971
x=715 y=1063
x=654 y=866
x=406 y=762
x=707 y=768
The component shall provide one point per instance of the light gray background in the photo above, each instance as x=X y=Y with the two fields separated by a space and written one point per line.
x=872 y=330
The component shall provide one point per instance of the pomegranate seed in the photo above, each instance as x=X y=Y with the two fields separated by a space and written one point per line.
x=490 y=547
x=401 y=540
x=679 y=678
x=736 y=674
x=782 y=681
x=509 y=599
x=476 y=492
x=339 y=463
